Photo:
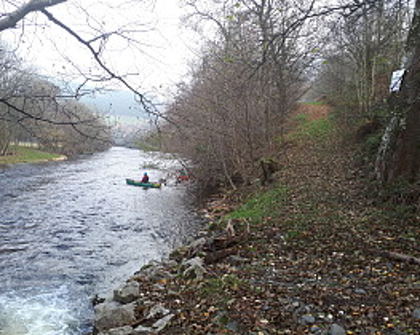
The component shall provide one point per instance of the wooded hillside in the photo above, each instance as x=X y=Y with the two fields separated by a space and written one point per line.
x=267 y=56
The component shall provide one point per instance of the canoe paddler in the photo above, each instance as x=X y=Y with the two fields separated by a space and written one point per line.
x=145 y=178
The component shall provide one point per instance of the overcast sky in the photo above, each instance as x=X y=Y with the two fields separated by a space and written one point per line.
x=156 y=57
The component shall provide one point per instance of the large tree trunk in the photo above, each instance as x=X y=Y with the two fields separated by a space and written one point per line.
x=399 y=154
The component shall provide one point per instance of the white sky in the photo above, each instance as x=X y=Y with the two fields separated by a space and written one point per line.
x=157 y=57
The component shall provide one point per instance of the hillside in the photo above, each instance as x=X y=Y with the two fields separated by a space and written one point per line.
x=117 y=104
x=314 y=253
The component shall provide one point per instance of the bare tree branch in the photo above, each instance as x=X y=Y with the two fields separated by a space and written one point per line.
x=38 y=118
x=11 y=19
x=145 y=102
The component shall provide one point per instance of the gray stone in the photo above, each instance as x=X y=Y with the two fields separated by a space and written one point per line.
x=154 y=271
x=416 y=314
x=127 y=293
x=337 y=330
x=162 y=323
x=194 y=268
x=315 y=330
x=233 y=326
x=126 y=330
x=360 y=291
x=170 y=264
x=307 y=319
x=110 y=315
x=197 y=245
x=140 y=330
x=157 y=310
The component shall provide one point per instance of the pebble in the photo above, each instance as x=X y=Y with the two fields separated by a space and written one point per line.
x=315 y=329
x=307 y=319
x=233 y=326
x=360 y=291
x=416 y=314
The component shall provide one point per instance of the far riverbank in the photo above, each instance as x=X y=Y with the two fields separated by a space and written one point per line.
x=21 y=154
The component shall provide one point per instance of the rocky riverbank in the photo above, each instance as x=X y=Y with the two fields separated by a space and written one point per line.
x=235 y=279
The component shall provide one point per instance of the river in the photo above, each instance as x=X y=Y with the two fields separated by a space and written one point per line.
x=69 y=230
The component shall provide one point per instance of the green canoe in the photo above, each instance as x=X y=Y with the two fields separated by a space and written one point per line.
x=139 y=183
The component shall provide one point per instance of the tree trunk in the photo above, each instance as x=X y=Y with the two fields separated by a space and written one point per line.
x=399 y=153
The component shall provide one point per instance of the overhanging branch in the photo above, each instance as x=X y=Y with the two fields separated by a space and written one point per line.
x=11 y=19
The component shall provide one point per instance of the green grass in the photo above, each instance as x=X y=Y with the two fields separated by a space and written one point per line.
x=219 y=286
x=260 y=205
x=319 y=129
x=315 y=103
x=27 y=155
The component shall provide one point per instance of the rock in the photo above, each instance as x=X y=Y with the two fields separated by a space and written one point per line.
x=158 y=326
x=315 y=329
x=197 y=245
x=337 y=330
x=162 y=323
x=154 y=273
x=194 y=268
x=360 y=291
x=170 y=264
x=416 y=314
x=307 y=320
x=159 y=287
x=110 y=315
x=233 y=326
x=140 y=330
x=127 y=293
x=156 y=311
x=126 y=330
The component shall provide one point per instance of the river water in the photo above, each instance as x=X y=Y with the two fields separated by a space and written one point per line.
x=69 y=230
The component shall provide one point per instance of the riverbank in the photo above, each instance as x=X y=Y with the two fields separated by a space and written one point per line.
x=314 y=253
x=20 y=154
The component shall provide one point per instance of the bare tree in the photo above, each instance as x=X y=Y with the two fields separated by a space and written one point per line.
x=250 y=76
x=399 y=153
x=95 y=36
x=364 y=48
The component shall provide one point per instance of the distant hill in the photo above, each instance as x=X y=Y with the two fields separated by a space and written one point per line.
x=120 y=104
x=127 y=118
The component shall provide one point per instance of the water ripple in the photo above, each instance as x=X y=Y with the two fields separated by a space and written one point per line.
x=78 y=223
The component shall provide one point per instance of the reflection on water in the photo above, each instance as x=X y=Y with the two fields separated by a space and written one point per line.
x=72 y=229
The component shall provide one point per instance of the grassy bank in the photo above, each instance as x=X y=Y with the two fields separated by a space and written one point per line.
x=20 y=154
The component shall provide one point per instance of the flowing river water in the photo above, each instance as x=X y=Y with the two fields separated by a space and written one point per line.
x=69 y=230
